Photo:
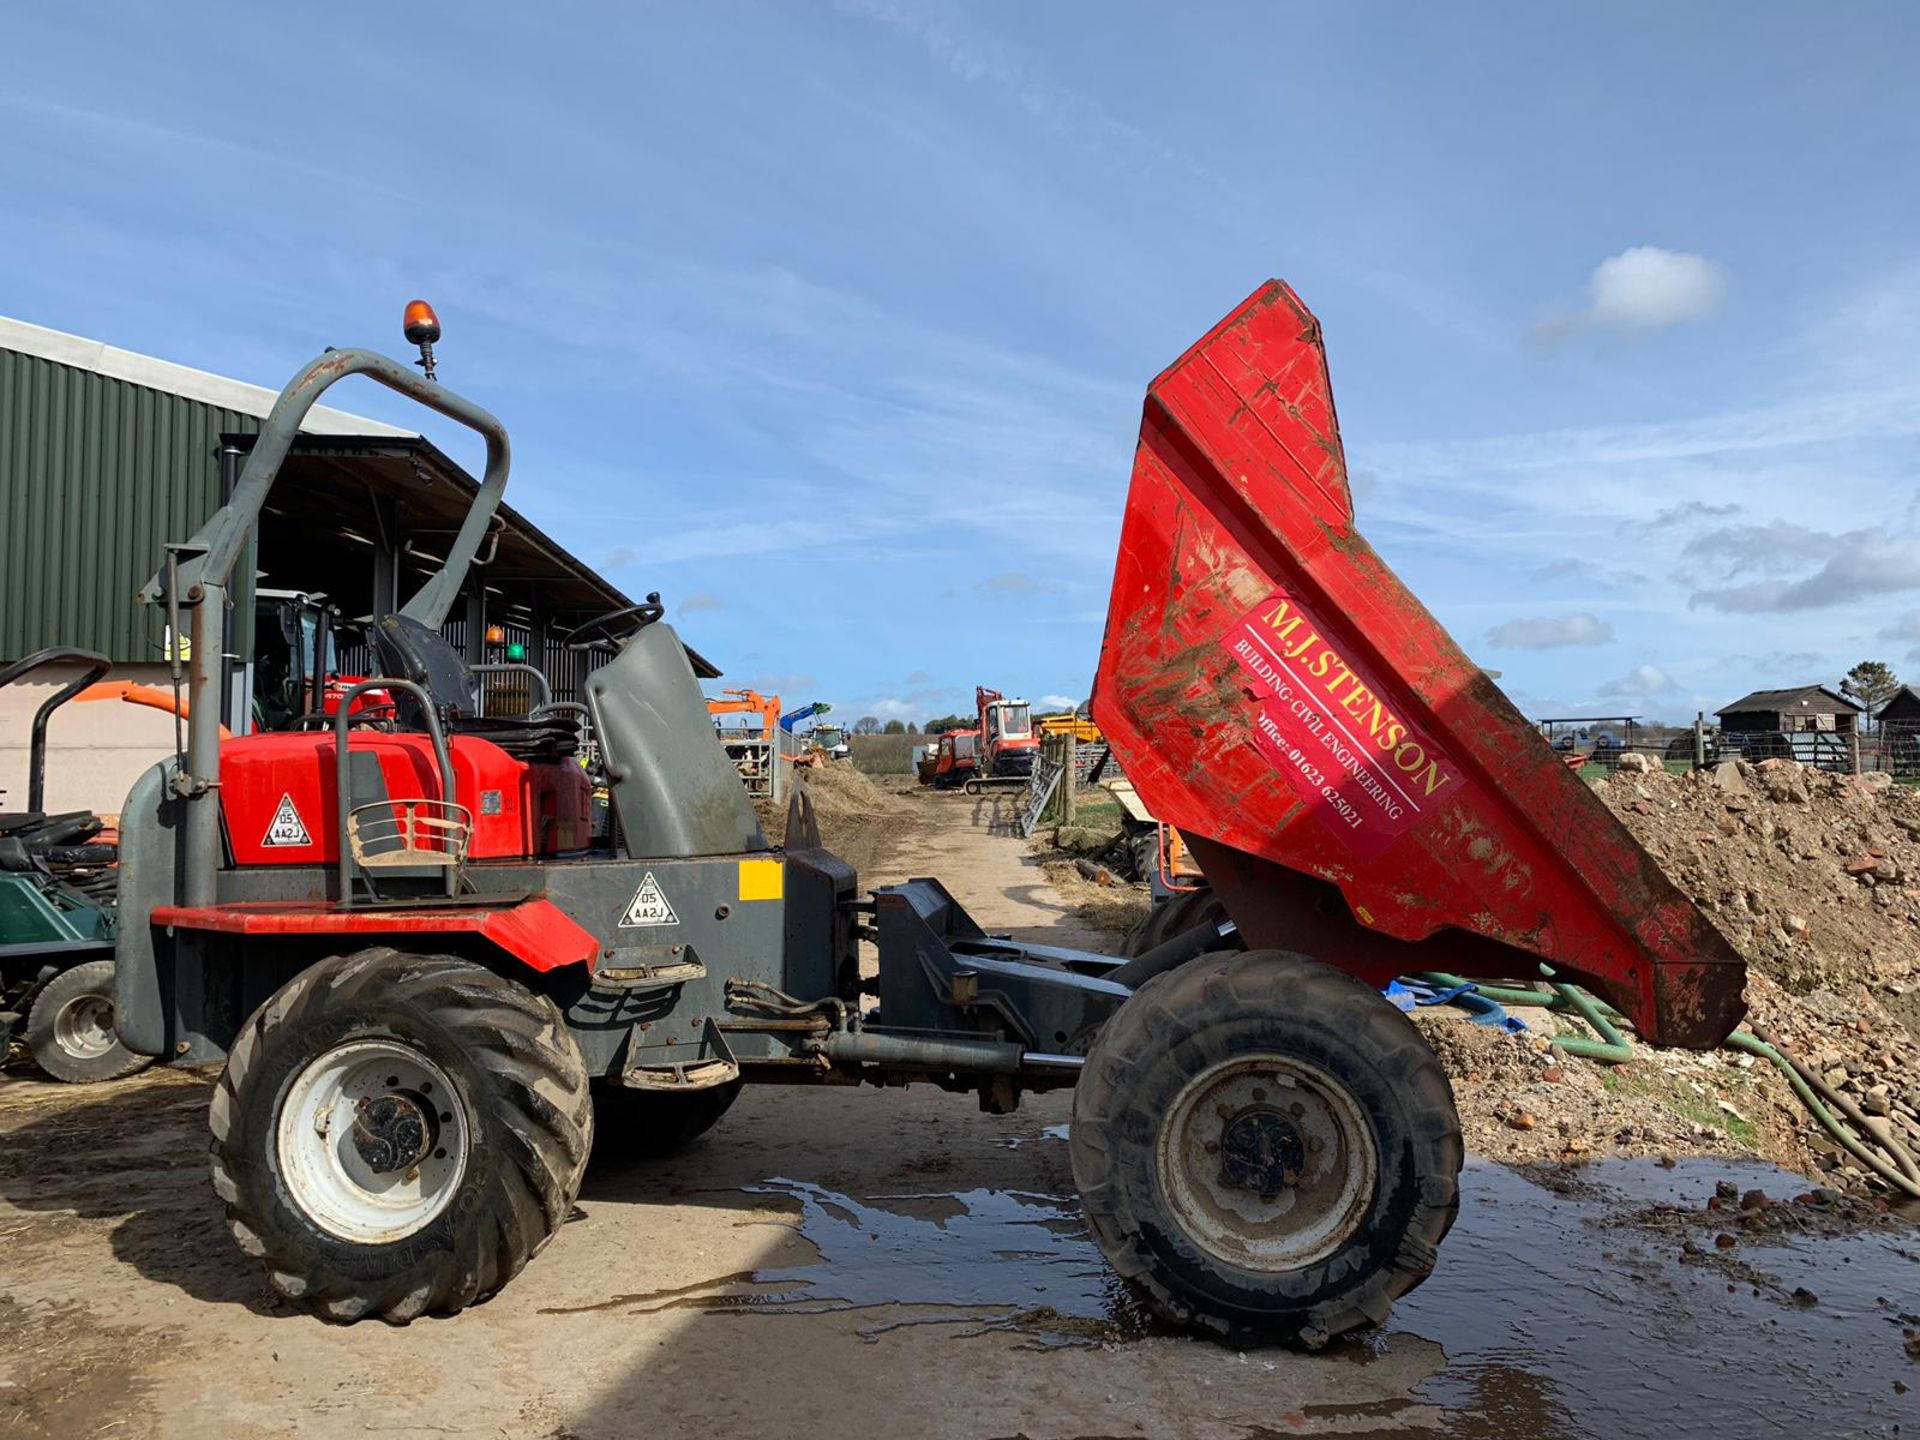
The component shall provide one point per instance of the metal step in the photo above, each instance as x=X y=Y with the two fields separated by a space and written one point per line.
x=710 y=1064
x=649 y=977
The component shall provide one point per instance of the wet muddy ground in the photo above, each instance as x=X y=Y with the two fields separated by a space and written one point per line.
x=887 y=1264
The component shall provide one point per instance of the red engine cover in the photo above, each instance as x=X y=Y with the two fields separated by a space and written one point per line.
x=278 y=795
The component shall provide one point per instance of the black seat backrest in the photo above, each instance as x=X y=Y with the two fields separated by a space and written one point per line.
x=409 y=650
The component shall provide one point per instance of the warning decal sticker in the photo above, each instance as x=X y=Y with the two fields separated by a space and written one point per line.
x=287 y=828
x=1333 y=733
x=650 y=906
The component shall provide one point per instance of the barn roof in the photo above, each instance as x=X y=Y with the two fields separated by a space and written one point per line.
x=1816 y=698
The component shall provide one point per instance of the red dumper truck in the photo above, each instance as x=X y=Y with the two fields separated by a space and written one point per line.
x=435 y=984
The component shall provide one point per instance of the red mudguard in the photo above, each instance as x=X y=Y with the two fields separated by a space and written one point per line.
x=1354 y=785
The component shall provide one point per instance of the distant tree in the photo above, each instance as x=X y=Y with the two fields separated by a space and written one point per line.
x=894 y=727
x=867 y=725
x=948 y=722
x=1871 y=683
x=912 y=729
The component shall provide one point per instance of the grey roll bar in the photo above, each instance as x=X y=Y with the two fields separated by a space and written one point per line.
x=199 y=570
x=221 y=539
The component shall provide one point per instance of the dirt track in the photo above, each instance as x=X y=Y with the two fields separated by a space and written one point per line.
x=893 y=1264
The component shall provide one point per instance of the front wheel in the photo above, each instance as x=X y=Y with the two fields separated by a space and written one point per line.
x=1266 y=1149
x=399 y=1134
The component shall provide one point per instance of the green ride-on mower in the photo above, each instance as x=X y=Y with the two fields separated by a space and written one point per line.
x=57 y=914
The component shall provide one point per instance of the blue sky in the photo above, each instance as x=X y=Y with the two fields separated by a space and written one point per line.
x=831 y=321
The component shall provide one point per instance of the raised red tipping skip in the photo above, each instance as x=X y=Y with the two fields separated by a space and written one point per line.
x=1324 y=724
x=1356 y=788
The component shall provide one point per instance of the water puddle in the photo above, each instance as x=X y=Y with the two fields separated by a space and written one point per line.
x=984 y=1260
x=1568 y=1302
x=1016 y=1142
x=1601 y=1302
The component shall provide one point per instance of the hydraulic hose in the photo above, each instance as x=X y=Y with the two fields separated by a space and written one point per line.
x=1612 y=1048
x=1171 y=954
x=1812 y=1090
x=1821 y=1100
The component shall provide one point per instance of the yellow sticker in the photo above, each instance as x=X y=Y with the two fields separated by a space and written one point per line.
x=762 y=879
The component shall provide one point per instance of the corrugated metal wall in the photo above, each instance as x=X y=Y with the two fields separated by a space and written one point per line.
x=96 y=475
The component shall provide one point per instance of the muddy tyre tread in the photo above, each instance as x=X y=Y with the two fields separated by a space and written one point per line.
x=521 y=1077
x=1419 y=1190
x=96 y=976
x=1173 y=917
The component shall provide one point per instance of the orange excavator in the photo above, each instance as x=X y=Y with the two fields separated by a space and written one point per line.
x=747 y=702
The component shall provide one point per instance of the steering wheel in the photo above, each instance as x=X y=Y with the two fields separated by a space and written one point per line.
x=642 y=615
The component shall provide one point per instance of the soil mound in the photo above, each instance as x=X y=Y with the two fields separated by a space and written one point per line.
x=858 y=819
x=1815 y=878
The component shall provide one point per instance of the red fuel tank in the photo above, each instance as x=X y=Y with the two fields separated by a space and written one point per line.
x=277 y=795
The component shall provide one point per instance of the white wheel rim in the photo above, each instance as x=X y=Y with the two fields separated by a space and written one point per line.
x=83 y=1028
x=372 y=1141
x=1267 y=1162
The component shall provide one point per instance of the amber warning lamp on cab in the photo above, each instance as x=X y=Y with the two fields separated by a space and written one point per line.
x=422 y=328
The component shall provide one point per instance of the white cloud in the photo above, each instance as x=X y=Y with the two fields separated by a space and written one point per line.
x=698 y=601
x=1778 y=545
x=1907 y=627
x=1858 y=565
x=1056 y=702
x=1640 y=683
x=1647 y=288
x=1643 y=289
x=1550 y=632
x=1586 y=572
x=891 y=708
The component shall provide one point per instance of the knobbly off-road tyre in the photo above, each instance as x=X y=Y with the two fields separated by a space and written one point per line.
x=652 y=1124
x=1173 y=917
x=500 y=1157
x=69 y=1030
x=1302 y=1078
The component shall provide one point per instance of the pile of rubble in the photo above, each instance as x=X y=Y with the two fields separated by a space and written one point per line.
x=1815 y=879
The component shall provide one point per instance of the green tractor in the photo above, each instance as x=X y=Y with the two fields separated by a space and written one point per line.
x=57 y=915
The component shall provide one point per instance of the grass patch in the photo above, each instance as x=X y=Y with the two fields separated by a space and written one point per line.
x=1097 y=815
x=1639 y=1080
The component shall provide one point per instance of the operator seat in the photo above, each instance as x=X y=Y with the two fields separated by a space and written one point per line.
x=409 y=650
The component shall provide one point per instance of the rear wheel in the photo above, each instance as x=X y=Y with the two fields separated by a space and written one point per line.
x=398 y=1134
x=1266 y=1149
x=1174 y=916
x=655 y=1123
x=70 y=1028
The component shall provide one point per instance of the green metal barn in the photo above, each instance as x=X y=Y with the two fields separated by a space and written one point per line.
x=107 y=455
